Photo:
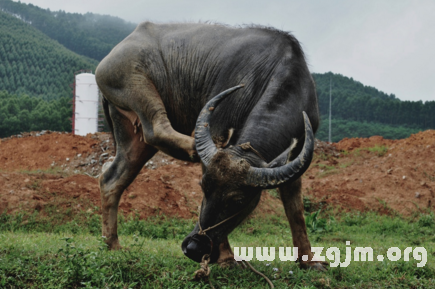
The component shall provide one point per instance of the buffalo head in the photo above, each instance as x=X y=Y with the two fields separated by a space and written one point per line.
x=231 y=186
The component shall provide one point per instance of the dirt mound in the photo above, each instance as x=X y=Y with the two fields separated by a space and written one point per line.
x=46 y=150
x=43 y=170
x=419 y=141
x=349 y=144
x=415 y=141
x=377 y=174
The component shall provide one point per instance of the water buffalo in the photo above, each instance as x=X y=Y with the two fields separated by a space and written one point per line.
x=158 y=86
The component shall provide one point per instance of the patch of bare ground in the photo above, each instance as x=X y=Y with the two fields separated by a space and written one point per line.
x=41 y=171
x=376 y=174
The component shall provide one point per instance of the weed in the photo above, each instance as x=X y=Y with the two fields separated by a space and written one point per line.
x=274 y=193
x=322 y=156
x=427 y=220
x=325 y=167
x=307 y=204
x=354 y=219
x=378 y=150
x=311 y=205
x=314 y=223
x=430 y=177
x=35 y=185
x=50 y=170
x=345 y=165
x=326 y=170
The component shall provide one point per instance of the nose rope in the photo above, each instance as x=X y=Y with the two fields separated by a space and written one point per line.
x=202 y=232
x=204 y=272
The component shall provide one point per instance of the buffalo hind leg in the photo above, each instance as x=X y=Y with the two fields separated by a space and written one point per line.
x=291 y=196
x=140 y=99
x=131 y=155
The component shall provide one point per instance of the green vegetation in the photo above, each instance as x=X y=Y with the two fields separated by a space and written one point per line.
x=34 y=64
x=41 y=50
x=23 y=113
x=40 y=254
x=363 y=111
x=345 y=128
x=91 y=35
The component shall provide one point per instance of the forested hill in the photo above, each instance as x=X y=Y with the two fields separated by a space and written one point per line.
x=32 y=63
x=363 y=111
x=40 y=49
x=354 y=101
x=90 y=34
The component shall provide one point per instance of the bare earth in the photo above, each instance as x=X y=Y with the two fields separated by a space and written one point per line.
x=62 y=169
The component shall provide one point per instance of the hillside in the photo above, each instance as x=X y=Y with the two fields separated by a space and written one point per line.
x=34 y=64
x=363 y=111
x=91 y=35
x=40 y=52
x=23 y=113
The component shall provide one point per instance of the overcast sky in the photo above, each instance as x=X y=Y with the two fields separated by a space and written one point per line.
x=388 y=44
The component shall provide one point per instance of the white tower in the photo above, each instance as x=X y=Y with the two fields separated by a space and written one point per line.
x=85 y=118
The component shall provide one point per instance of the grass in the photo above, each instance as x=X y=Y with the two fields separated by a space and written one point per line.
x=51 y=170
x=430 y=177
x=377 y=150
x=73 y=255
x=326 y=170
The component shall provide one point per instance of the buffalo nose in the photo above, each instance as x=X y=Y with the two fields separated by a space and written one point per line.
x=195 y=248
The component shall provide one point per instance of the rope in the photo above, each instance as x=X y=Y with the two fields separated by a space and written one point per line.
x=204 y=272
x=261 y=274
x=202 y=232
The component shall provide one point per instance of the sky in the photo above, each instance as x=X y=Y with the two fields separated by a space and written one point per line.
x=388 y=44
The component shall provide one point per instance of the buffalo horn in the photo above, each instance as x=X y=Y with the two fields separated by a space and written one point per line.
x=204 y=144
x=268 y=178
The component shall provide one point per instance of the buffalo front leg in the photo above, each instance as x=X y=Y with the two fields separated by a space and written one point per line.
x=291 y=196
x=226 y=255
x=131 y=155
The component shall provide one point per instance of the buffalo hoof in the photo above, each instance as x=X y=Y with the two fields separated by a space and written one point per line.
x=113 y=244
x=227 y=263
x=319 y=266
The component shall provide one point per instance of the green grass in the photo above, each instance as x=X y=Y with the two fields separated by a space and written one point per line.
x=326 y=170
x=380 y=151
x=51 y=170
x=72 y=255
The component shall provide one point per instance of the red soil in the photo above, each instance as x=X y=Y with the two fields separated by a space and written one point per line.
x=35 y=173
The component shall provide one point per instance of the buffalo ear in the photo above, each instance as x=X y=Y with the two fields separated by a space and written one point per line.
x=285 y=156
x=269 y=178
x=230 y=134
x=203 y=141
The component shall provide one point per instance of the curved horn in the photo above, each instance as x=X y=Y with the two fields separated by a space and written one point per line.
x=268 y=178
x=204 y=144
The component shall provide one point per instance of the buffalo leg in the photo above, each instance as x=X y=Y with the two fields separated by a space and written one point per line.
x=131 y=155
x=226 y=255
x=291 y=196
x=141 y=100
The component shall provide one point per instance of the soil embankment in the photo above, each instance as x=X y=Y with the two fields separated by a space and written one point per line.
x=40 y=170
